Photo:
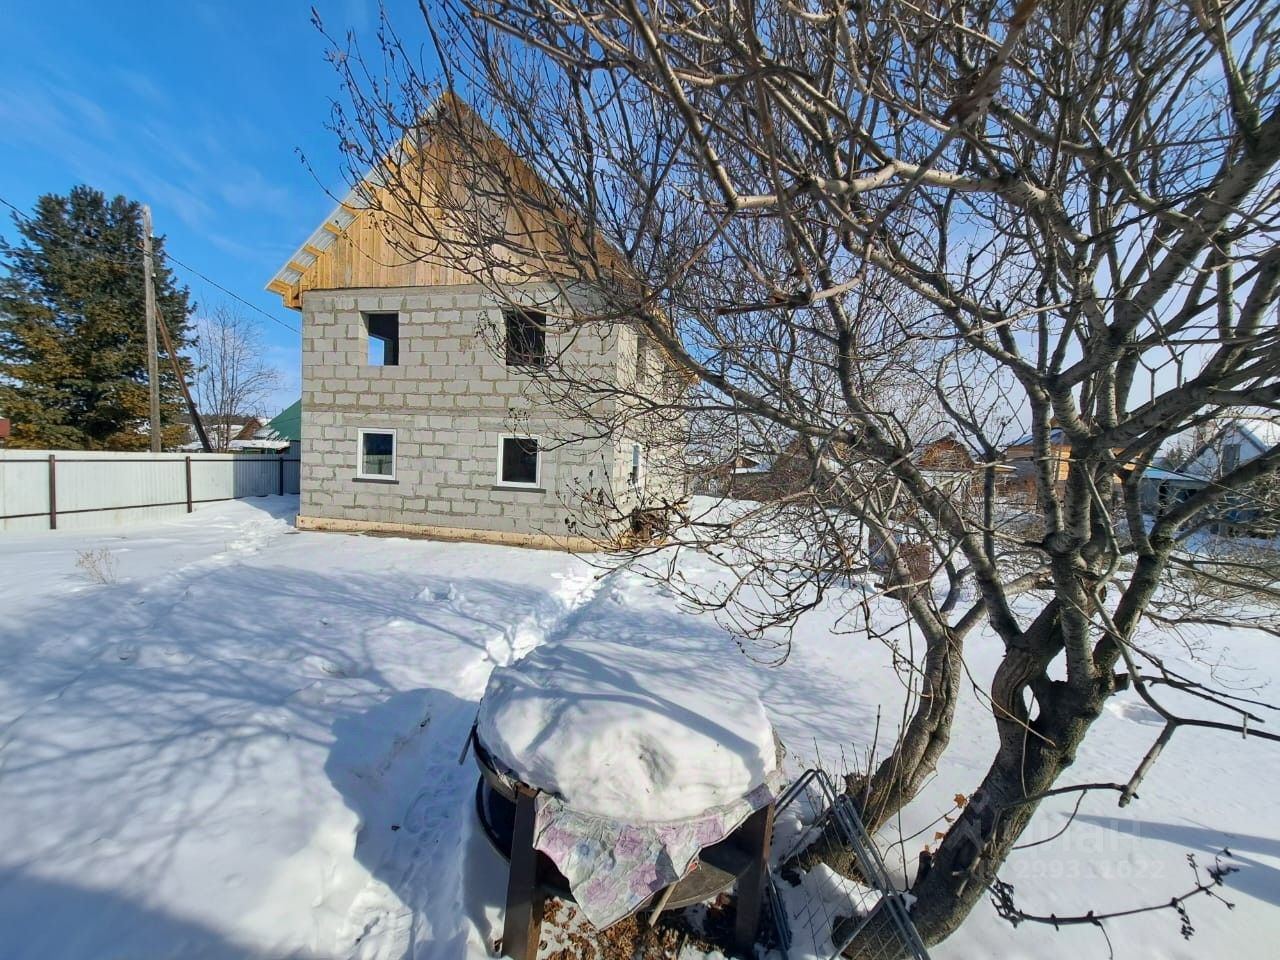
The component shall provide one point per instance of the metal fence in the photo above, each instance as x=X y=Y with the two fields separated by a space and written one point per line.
x=65 y=489
x=825 y=913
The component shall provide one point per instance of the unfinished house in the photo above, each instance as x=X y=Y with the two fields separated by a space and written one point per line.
x=420 y=408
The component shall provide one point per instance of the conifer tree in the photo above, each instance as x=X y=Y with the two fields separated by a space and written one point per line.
x=73 y=358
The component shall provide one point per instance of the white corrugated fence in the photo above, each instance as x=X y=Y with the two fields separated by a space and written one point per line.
x=67 y=489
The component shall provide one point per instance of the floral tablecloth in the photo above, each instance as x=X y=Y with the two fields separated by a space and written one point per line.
x=613 y=867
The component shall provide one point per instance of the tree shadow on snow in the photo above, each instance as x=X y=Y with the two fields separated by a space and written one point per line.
x=163 y=709
x=399 y=768
x=1255 y=878
x=80 y=922
x=160 y=707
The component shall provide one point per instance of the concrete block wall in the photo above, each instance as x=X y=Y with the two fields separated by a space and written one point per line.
x=449 y=399
x=660 y=435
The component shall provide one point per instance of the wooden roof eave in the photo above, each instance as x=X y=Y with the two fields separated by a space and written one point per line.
x=289 y=293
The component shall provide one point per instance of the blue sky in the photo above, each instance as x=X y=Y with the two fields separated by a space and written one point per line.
x=197 y=108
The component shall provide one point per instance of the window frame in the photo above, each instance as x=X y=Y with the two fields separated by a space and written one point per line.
x=538 y=324
x=537 y=466
x=395 y=449
x=635 y=468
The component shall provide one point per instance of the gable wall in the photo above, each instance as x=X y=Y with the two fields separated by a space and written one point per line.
x=362 y=257
x=357 y=250
x=1207 y=461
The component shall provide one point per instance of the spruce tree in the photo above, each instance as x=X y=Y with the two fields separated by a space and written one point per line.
x=73 y=354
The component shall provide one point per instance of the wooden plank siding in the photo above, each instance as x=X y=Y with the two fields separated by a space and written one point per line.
x=362 y=256
x=1059 y=453
x=370 y=251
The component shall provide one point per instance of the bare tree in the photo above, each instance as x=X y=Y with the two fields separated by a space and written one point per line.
x=846 y=229
x=232 y=380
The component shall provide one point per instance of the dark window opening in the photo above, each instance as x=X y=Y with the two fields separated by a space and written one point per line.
x=384 y=339
x=637 y=458
x=642 y=366
x=526 y=338
x=519 y=460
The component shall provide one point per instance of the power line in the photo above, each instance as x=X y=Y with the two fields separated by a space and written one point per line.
x=165 y=253
x=252 y=306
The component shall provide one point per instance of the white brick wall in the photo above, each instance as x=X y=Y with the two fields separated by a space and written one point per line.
x=449 y=400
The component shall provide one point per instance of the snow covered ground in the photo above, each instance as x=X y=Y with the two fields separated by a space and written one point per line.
x=245 y=744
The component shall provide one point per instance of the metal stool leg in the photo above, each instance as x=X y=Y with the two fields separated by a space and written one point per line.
x=522 y=926
x=758 y=833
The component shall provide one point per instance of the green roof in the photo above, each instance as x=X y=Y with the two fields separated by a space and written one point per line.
x=287 y=424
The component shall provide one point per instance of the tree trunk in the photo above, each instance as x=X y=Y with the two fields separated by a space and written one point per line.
x=900 y=775
x=1030 y=760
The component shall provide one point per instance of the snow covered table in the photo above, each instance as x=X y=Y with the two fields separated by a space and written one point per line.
x=636 y=778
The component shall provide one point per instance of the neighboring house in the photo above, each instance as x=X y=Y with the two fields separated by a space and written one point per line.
x=1161 y=489
x=718 y=479
x=280 y=435
x=1235 y=442
x=949 y=465
x=223 y=432
x=946 y=462
x=765 y=477
x=1019 y=469
x=945 y=455
x=285 y=426
x=408 y=420
x=1229 y=444
x=1021 y=456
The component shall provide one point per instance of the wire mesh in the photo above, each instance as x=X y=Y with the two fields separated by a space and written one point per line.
x=822 y=913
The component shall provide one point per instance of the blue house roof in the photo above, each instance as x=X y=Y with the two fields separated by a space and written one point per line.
x=1056 y=436
x=1155 y=473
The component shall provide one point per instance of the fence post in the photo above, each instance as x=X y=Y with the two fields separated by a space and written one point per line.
x=53 y=493
x=280 y=461
x=189 y=484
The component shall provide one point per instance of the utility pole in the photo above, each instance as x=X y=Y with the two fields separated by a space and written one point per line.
x=182 y=383
x=153 y=357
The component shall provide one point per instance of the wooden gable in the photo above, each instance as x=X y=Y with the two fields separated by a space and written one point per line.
x=361 y=255
x=376 y=245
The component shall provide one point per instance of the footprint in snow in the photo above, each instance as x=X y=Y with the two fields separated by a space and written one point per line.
x=330 y=667
x=1134 y=712
x=419 y=812
x=439 y=593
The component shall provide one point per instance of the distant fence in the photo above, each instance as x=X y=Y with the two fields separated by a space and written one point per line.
x=61 y=489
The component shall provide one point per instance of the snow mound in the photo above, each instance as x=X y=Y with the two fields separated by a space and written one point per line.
x=641 y=728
